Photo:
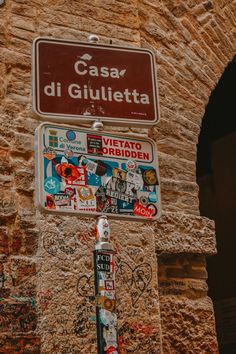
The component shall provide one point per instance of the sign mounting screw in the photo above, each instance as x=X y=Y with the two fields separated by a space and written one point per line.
x=97 y=125
x=92 y=38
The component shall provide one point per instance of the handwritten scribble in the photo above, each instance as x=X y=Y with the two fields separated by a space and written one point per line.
x=85 y=313
x=59 y=246
x=137 y=338
x=85 y=286
x=137 y=278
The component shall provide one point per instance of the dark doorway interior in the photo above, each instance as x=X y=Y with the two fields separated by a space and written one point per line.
x=216 y=175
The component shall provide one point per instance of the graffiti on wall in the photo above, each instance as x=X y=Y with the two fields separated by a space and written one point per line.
x=66 y=245
x=85 y=317
x=134 y=275
x=137 y=278
x=58 y=245
x=44 y=299
x=85 y=311
x=137 y=338
x=85 y=286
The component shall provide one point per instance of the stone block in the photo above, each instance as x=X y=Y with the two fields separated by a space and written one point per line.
x=186 y=272
x=21 y=277
x=24 y=10
x=188 y=288
x=5 y=164
x=10 y=57
x=23 y=143
x=24 y=180
x=182 y=233
x=179 y=196
x=182 y=259
x=192 y=328
x=8 y=205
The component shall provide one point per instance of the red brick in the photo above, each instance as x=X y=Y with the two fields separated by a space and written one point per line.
x=23 y=241
x=17 y=317
x=21 y=277
x=4 y=293
x=16 y=242
x=4 y=247
x=20 y=344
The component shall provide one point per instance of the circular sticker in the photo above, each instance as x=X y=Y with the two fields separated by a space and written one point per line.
x=143 y=200
x=152 y=197
x=153 y=208
x=68 y=171
x=70 y=134
x=131 y=165
x=52 y=185
x=150 y=177
x=109 y=304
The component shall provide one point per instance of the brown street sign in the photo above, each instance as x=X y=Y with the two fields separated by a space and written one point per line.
x=74 y=82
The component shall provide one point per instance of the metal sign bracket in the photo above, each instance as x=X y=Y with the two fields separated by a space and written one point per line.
x=97 y=125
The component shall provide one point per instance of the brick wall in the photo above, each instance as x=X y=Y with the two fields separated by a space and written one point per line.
x=42 y=291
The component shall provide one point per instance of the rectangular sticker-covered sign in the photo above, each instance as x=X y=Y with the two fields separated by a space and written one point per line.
x=82 y=171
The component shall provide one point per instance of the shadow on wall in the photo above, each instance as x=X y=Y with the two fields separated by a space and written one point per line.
x=216 y=175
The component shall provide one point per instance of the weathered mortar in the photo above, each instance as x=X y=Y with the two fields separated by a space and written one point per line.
x=193 y=42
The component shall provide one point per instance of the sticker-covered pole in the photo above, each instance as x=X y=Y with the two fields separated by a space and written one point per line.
x=104 y=270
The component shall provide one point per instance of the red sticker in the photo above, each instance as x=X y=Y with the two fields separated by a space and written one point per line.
x=112 y=350
x=143 y=211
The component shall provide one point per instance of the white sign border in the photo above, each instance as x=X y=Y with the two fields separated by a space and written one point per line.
x=39 y=175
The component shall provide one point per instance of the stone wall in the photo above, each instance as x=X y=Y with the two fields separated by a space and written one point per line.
x=46 y=296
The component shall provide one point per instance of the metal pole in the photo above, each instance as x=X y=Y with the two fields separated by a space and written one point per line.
x=104 y=271
x=104 y=275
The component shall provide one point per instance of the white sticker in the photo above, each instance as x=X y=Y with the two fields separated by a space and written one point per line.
x=91 y=166
x=136 y=179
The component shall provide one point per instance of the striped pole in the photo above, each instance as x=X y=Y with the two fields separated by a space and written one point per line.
x=104 y=270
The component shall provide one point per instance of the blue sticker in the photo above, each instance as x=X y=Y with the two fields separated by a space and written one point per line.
x=152 y=197
x=93 y=180
x=70 y=134
x=52 y=185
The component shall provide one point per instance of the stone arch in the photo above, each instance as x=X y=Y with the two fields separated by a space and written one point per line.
x=194 y=42
x=215 y=172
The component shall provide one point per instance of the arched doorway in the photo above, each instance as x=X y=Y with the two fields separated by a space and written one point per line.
x=216 y=175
